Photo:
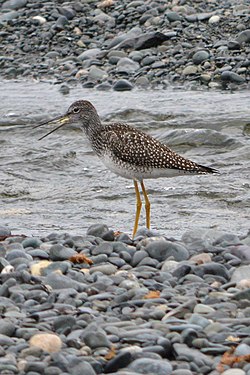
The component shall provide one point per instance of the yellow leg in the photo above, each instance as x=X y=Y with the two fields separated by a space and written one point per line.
x=138 y=207
x=147 y=205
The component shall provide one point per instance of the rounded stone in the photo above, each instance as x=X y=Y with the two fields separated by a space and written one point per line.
x=151 y=366
x=48 y=342
x=233 y=371
x=7 y=328
x=64 y=322
x=200 y=56
x=122 y=85
x=163 y=249
x=121 y=360
x=173 y=16
x=97 y=230
x=78 y=366
x=214 y=19
x=60 y=252
x=126 y=65
x=242 y=349
x=96 y=340
x=228 y=76
x=243 y=36
x=31 y=242
x=106 y=269
x=96 y=74
x=189 y=70
x=14 y=4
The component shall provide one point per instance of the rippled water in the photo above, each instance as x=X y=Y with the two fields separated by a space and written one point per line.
x=58 y=184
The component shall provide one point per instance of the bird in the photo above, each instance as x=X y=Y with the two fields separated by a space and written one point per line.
x=127 y=151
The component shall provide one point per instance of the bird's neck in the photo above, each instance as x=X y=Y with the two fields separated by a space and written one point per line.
x=92 y=127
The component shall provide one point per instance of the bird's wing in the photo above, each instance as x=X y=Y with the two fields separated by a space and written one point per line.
x=136 y=147
x=139 y=149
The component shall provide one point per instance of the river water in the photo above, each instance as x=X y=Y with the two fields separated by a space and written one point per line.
x=58 y=184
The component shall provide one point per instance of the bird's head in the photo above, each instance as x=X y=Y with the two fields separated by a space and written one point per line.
x=81 y=113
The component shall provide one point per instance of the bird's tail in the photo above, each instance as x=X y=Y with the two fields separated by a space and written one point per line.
x=206 y=170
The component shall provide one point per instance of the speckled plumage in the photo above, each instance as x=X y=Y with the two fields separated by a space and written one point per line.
x=127 y=151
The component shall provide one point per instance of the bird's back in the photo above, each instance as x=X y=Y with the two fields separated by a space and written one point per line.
x=132 y=153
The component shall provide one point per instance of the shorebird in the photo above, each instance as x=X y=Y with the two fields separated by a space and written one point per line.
x=128 y=152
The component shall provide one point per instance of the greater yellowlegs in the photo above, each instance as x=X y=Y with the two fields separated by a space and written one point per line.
x=127 y=151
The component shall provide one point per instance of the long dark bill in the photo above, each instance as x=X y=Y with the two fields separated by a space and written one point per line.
x=62 y=120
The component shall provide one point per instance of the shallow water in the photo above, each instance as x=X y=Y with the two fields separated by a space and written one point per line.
x=58 y=184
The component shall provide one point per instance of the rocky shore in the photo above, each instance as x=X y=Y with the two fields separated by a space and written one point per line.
x=100 y=303
x=124 y=44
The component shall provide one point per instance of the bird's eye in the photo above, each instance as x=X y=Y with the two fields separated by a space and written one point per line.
x=76 y=110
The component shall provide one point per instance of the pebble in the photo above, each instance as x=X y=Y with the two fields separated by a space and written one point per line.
x=122 y=85
x=214 y=19
x=48 y=342
x=233 y=371
x=200 y=56
x=228 y=76
x=59 y=252
x=149 y=366
x=189 y=70
x=161 y=250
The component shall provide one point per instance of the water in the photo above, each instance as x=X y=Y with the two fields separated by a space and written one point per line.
x=58 y=184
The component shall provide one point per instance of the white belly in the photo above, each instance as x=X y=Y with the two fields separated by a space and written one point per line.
x=138 y=173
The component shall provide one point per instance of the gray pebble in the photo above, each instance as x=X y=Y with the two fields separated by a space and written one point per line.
x=122 y=85
x=96 y=339
x=97 y=230
x=151 y=366
x=161 y=250
x=32 y=242
x=60 y=252
x=228 y=76
x=200 y=56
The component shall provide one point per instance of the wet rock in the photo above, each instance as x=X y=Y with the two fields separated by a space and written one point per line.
x=122 y=85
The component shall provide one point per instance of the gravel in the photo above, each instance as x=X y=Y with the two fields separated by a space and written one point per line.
x=144 y=306
x=118 y=44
